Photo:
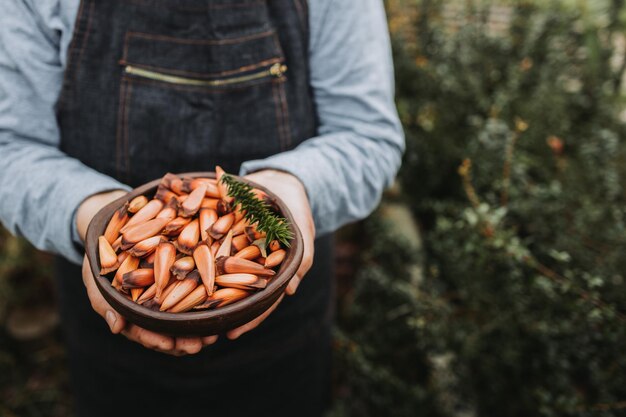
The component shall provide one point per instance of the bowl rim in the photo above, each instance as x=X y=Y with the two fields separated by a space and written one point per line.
x=286 y=271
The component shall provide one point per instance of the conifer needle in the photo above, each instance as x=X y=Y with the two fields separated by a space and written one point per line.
x=257 y=211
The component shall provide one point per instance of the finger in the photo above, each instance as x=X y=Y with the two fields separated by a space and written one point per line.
x=308 y=238
x=149 y=339
x=307 y=261
x=209 y=340
x=235 y=333
x=188 y=345
x=115 y=321
x=292 y=287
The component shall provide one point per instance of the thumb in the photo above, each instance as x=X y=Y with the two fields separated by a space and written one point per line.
x=292 y=287
x=115 y=321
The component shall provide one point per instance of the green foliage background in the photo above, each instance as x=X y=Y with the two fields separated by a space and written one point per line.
x=33 y=376
x=515 y=170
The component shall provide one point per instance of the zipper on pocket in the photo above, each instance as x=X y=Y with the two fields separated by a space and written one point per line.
x=277 y=71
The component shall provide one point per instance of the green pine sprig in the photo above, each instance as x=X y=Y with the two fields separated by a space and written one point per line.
x=258 y=211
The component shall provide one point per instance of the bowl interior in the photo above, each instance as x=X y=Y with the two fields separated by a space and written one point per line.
x=195 y=322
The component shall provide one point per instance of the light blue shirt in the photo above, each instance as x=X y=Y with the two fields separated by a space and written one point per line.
x=355 y=155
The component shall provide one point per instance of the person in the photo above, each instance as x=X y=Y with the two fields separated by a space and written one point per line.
x=97 y=97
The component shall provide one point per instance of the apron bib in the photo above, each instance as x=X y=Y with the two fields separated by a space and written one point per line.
x=153 y=86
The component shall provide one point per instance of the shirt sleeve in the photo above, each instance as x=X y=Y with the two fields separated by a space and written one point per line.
x=360 y=141
x=40 y=186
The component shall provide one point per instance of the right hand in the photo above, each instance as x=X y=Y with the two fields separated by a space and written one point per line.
x=173 y=346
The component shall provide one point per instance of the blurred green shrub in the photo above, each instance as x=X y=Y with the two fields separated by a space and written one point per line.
x=25 y=274
x=33 y=378
x=515 y=169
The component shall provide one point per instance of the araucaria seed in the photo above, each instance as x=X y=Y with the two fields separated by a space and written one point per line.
x=206 y=266
x=192 y=203
x=250 y=252
x=197 y=296
x=274 y=245
x=240 y=242
x=119 y=220
x=221 y=226
x=242 y=281
x=223 y=188
x=108 y=258
x=130 y=264
x=141 y=232
x=170 y=211
x=164 y=194
x=174 y=227
x=138 y=278
x=229 y=295
x=189 y=237
x=207 y=217
x=137 y=203
x=148 y=212
x=163 y=261
x=146 y=246
x=232 y=265
x=182 y=289
x=183 y=266
x=226 y=245
x=275 y=258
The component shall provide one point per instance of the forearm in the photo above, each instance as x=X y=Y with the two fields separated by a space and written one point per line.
x=344 y=175
x=40 y=191
x=40 y=186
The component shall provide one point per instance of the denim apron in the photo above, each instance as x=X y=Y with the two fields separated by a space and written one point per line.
x=153 y=86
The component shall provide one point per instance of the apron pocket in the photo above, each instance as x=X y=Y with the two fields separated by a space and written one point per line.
x=187 y=104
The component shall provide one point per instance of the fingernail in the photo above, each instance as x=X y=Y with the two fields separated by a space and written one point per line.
x=234 y=334
x=293 y=285
x=209 y=340
x=110 y=318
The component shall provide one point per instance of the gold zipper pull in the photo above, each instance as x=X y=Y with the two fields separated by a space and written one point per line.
x=278 y=70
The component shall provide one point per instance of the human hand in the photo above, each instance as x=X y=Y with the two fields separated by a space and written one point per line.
x=174 y=346
x=291 y=191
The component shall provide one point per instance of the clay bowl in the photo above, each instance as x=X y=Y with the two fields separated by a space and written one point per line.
x=193 y=323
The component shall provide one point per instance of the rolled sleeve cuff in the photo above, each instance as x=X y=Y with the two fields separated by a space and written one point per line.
x=302 y=163
x=78 y=188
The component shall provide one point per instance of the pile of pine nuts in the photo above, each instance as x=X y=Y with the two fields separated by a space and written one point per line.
x=189 y=248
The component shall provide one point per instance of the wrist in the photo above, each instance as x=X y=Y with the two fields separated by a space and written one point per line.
x=278 y=176
x=90 y=206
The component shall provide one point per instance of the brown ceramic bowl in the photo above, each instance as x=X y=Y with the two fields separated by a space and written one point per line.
x=194 y=323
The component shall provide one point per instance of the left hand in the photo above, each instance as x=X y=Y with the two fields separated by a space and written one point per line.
x=291 y=191
x=176 y=346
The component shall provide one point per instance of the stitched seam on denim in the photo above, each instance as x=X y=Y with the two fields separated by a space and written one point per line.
x=198 y=9
x=277 y=44
x=201 y=88
x=227 y=41
x=126 y=123
x=118 y=137
x=69 y=65
x=206 y=75
x=301 y=14
x=278 y=118
x=222 y=6
x=285 y=107
x=126 y=44
x=85 y=39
